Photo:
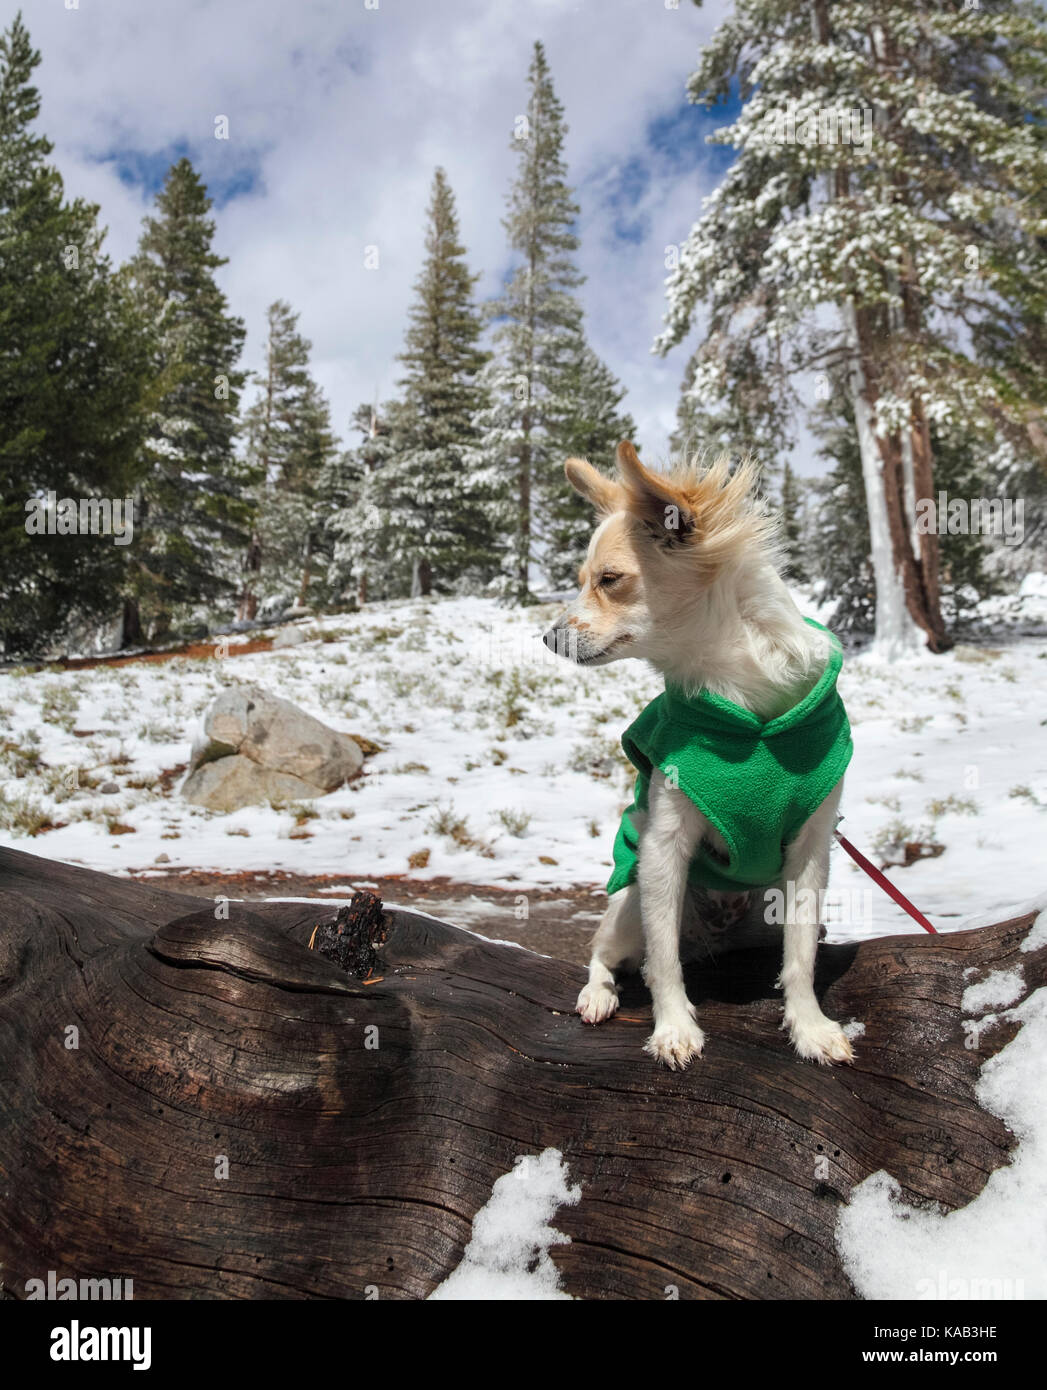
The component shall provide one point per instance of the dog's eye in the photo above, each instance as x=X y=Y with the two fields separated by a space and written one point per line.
x=609 y=578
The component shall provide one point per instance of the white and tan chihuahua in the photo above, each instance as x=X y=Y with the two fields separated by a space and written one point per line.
x=683 y=571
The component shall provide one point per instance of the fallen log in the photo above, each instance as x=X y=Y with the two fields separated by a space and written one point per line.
x=194 y=1099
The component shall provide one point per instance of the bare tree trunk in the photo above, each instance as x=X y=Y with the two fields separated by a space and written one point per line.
x=897 y=471
x=524 y=523
x=900 y=523
x=897 y=474
x=896 y=632
x=131 y=629
x=928 y=561
x=248 y=607
x=421 y=579
x=307 y=573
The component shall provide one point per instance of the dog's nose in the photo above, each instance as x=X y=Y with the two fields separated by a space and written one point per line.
x=550 y=639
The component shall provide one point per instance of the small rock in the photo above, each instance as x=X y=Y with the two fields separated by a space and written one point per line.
x=109 y=788
x=288 y=637
x=162 y=859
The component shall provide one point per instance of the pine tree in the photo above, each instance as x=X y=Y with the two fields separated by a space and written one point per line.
x=1013 y=342
x=539 y=327
x=267 y=428
x=963 y=469
x=70 y=389
x=837 y=532
x=290 y=452
x=435 y=521
x=752 y=420
x=877 y=144
x=359 y=529
x=591 y=425
x=318 y=453
x=792 y=524
x=195 y=515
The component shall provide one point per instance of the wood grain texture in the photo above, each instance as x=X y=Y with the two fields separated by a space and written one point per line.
x=353 y=1166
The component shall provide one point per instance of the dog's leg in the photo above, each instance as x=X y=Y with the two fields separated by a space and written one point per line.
x=617 y=945
x=807 y=868
x=667 y=845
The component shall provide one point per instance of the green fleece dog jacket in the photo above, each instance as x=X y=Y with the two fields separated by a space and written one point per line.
x=756 y=782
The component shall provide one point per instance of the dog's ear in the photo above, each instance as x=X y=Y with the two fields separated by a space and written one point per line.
x=656 y=501
x=604 y=493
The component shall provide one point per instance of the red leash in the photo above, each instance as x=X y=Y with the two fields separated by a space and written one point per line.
x=885 y=883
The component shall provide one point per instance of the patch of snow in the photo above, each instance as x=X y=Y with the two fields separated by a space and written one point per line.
x=508 y=1254
x=999 y=988
x=1037 y=936
x=1034 y=585
x=996 y=1246
x=1038 y=904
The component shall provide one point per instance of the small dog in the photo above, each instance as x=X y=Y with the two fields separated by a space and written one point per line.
x=740 y=761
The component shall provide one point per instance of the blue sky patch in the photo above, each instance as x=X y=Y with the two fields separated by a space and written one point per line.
x=147 y=170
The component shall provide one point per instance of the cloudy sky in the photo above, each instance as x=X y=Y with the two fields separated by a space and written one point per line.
x=339 y=110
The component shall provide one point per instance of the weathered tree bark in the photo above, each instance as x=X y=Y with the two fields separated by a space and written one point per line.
x=207 y=1046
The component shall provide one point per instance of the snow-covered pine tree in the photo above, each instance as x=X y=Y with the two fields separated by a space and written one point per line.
x=435 y=523
x=837 y=530
x=791 y=508
x=319 y=457
x=1013 y=342
x=591 y=425
x=70 y=378
x=358 y=529
x=965 y=467
x=877 y=145
x=753 y=419
x=290 y=449
x=267 y=429
x=539 y=326
x=194 y=515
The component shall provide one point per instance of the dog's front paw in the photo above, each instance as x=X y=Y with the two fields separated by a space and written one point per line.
x=822 y=1041
x=676 y=1042
x=597 y=1002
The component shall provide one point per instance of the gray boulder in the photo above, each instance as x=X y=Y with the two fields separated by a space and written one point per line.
x=229 y=783
x=255 y=747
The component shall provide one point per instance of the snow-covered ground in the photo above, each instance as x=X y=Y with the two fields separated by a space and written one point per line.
x=502 y=761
